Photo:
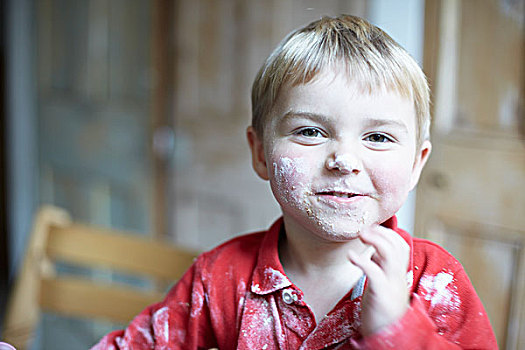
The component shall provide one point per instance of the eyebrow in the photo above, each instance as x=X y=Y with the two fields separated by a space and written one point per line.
x=308 y=115
x=372 y=122
x=375 y=122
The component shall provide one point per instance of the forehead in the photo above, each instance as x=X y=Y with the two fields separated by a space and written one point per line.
x=333 y=94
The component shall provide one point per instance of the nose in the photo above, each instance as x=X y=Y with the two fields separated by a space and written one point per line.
x=344 y=164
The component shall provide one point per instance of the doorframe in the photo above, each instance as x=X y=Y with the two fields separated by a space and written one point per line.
x=4 y=240
x=162 y=128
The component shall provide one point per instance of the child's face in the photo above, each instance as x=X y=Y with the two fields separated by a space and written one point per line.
x=338 y=159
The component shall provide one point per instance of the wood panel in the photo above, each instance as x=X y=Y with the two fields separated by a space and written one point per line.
x=494 y=258
x=93 y=69
x=95 y=93
x=469 y=201
x=481 y=176
x=469 y=197
x=4 y=256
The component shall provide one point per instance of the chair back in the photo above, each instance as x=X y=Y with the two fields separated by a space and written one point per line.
x=56 y=239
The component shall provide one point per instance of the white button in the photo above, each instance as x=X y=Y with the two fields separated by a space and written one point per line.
x=288 y=297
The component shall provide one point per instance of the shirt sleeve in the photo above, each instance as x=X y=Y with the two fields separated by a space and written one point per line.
x=445 y=313
x=180 y=321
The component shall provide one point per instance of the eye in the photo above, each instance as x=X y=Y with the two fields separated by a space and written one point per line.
x=378 y=138
x=309 y=136
x=309 y=132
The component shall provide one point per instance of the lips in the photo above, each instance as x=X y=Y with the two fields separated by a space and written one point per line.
x=337 y=198
x=338 y=194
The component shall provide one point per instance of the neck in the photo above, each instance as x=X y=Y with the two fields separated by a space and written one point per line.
x=311 y=261
x=304 y=253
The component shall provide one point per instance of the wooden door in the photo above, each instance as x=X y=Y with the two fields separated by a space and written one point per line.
x=95 y=67
x=94 y=101
x=471 y=196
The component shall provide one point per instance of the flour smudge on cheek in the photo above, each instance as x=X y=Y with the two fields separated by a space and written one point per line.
x=290 y=183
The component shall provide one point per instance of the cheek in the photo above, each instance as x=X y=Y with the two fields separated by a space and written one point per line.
x=288 y=171
x=392 y=179
x=289 y=177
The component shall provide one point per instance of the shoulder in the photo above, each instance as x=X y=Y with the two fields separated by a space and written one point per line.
x=223 y=266
x=236 y=256
x=448 y=296
x=245 y=246
x=431 y=256
x=437 y=273
x=440 y=278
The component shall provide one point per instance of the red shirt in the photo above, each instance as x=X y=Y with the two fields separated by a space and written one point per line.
x=237 y=296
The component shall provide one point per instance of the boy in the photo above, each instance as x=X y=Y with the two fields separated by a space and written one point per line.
x=340 y=130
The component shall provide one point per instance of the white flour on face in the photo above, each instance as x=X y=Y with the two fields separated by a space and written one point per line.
x=294 y=185
x=288 y=174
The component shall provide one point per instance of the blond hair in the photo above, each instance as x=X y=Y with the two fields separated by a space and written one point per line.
x=370 y=56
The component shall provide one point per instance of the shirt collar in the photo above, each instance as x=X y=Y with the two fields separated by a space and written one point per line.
x=268 y=275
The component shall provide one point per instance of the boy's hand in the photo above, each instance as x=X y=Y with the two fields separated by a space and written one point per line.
x=387 y=297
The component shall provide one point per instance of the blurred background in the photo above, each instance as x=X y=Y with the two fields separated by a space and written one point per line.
x=131 y=114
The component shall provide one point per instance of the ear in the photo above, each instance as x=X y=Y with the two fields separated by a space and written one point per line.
x=420 y=161
x=258 y=156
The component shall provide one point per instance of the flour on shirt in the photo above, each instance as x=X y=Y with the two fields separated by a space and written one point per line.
x=104 y=345
x=241 y=291
x=121 y=343
x=440 y=291
x=197 y=300
x=258 y=322
x=410 y=278
x=145 y=333
x=141 y=325
x=343 y=324
x=276 y=278
x=160 y=320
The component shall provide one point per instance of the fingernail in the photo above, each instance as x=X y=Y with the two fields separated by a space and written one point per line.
x=369 y=251
x=350 y=256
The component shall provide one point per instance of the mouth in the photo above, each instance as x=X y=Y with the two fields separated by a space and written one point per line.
x=339 y=194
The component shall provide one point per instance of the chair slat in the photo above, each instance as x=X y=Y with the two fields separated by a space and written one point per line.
x=82 y=298
x=94 y=247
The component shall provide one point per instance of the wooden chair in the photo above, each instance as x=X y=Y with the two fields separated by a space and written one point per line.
x=55 y=238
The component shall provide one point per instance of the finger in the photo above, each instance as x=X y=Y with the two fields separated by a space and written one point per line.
x=391 y=236
x=369 y=252
x=388 y=236
x=383 y=247
x=373 y=271
x=392 y=250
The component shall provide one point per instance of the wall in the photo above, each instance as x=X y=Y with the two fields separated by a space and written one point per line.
x=215 y=191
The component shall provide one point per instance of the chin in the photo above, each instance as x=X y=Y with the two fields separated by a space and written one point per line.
x=336 y=229
x=341 y=234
